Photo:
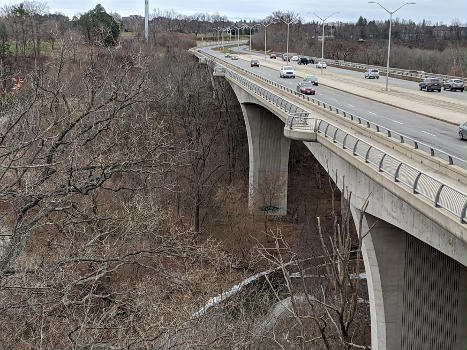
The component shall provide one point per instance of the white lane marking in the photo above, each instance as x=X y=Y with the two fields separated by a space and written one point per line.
x=371 y=113
x=350 y=105
x=429 y=133
x=396 y=121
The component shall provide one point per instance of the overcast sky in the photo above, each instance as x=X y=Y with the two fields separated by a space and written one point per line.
x=349 y=10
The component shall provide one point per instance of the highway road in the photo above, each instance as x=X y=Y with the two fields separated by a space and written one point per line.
x=433 y=132
x=413 y=85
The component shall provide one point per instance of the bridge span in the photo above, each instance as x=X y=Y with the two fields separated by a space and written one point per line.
x=416 y=252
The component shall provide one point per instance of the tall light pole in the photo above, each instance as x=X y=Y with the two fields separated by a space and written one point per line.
x=146 y=19
x=390 y=27
x=250 y=27
x=265 y=30
x=322 y=37
x=288 y=25
x=238 y=35
x=222 y=36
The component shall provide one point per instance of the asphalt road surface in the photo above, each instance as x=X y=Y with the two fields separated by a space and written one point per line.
x=413 y=85
x=433 y=132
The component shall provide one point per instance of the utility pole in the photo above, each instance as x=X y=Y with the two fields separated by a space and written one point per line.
x=146 y=19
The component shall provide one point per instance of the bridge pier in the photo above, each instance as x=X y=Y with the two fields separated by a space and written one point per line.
x=268 y=160
x=417 y=294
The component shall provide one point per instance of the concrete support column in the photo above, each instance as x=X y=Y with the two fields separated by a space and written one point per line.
x=268 y=159
x=383 y=251
x=417 y=294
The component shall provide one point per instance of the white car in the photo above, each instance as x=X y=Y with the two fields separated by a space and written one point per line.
x=372 y=74
x=287 y=72
x=321 y=65
x=234 y=57
x=294 y=59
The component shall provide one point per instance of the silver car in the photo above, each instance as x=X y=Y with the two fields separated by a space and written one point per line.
x=463 y=131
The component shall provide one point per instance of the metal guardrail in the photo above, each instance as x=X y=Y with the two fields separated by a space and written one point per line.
x=441 y=195
x=395 y=71
x=402 y=138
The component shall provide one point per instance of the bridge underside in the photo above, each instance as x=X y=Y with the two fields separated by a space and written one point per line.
x=415 y=268
x=417 y=294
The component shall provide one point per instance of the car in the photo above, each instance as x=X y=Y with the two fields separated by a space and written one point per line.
x=294 y=59
x=305 y=60
x=227 y=54
x=463 y=131
x=306 y=88
x=430 y=84
x=453 y=85
x=254 y=63
x=273 y=56
x=234 y=57
x=285 y=57
x=321 y=65
x=287 y=72
x=372 y=74
x=312 y=79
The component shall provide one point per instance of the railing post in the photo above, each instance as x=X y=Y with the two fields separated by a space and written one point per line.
x=367 y=154
x=380 y=167
x=415 y=183
x=354 y=150
x=334 y=136
x=463 y=212
x=326 y=131
x=438 y=194
x=396 y=175
x=343 y=142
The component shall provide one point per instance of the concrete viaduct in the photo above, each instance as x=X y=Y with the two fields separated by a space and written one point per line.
x=415 y=256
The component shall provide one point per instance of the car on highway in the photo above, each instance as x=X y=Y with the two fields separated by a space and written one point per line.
x=273 y=56
x=453 y=85
x=294 y=59
x=321 y=65
x=463 y=131
x=227 y=54
x=287 y=72
x=305 y=60
x=254 y=63
x=372 y=74
x=312 y=79
x=430 y=84
x=285 y=57
x=234 y=57
x=306 y=88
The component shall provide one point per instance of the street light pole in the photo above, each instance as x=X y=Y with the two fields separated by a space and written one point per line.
x=251 y=28
x=238 y=35
x=390 y=29
x=288 y=26
x=265 y=30
x=322 y=37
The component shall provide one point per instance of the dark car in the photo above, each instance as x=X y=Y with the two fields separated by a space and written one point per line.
x=430 y=84
x=254 y=63
x=463 y=131
x=311 y=79
x=453 y=85
x=305 y=60
x=273 y=56
x=306 y=88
